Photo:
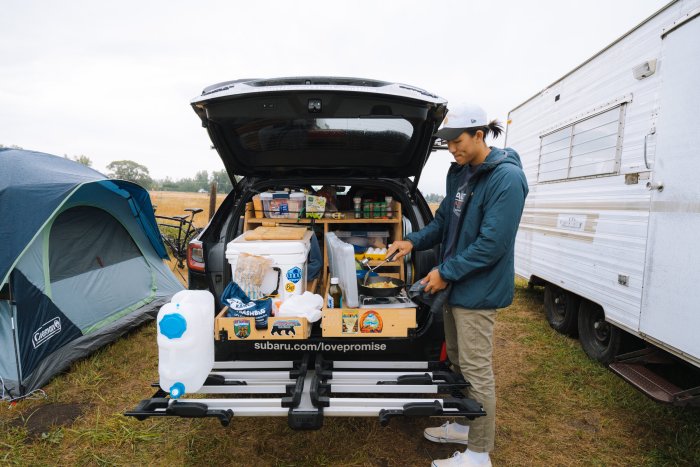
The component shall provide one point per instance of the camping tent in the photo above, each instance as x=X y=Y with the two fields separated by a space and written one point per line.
x=80 y=264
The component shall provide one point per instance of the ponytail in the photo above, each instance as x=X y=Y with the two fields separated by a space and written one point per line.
x=494 y=127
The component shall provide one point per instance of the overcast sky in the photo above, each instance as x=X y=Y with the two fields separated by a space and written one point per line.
x=113 y=80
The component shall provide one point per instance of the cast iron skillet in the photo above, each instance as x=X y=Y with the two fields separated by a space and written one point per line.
x=380 y=292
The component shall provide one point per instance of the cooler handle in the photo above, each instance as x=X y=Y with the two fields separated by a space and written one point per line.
x=279 y=277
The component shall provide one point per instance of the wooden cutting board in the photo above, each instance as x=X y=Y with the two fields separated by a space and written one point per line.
x=275 y=233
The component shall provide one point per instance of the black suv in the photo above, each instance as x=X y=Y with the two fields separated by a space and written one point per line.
x=354 y=134
x=359 y=137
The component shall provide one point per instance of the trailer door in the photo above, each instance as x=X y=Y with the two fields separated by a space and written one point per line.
x=671 y=295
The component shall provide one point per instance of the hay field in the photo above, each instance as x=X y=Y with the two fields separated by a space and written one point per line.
x=173 y=203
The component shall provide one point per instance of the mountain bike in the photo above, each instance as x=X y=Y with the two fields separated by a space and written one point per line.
x=177 y=232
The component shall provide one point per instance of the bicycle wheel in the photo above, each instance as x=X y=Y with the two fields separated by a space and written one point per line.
x=192 y=235
x=170 y=245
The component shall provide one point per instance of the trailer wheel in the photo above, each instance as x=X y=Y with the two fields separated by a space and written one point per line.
x=561 y=308
x=599 y=339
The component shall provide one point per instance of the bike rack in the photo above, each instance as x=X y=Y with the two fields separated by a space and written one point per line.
x=308 y=394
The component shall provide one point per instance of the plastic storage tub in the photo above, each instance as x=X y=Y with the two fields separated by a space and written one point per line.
x=282 y=205
x=288 y=255
x=364 y=238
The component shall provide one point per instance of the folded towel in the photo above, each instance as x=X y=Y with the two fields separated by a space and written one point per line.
x=306 y=305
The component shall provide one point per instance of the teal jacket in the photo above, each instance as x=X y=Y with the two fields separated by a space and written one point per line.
x=481 y=271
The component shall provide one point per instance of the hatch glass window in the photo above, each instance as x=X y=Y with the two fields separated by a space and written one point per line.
x=378 y=135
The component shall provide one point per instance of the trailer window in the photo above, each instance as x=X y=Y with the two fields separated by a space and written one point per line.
x=588 y=147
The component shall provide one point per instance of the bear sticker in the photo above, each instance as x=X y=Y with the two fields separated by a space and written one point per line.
x=285 y=326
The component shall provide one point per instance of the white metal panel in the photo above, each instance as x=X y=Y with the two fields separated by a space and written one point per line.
x=671 y=304
x=584 y=234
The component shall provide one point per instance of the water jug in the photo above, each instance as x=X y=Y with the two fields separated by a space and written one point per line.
x=186 y=342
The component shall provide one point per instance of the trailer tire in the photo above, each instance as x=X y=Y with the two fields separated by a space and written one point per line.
x=599 y=339
x=561 y=308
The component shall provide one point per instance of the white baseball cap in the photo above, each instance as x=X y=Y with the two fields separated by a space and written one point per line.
x=459 y=118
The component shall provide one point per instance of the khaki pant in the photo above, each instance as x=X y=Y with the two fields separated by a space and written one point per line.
x=469 y=341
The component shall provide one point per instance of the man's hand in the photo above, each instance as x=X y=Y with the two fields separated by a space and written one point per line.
x=434 y=282
x=403 y=247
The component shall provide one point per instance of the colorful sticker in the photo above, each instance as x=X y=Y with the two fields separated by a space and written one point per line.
x=371 y=322
x=289 y=287
x=350 y=322
x=241 y=328
x=285 y=326
x=294 y=274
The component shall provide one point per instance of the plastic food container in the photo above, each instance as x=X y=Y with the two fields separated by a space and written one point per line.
x=365 y=238
x=282 y=205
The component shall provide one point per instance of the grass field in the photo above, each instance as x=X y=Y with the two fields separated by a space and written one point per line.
x=171 y=203
x=555 y=407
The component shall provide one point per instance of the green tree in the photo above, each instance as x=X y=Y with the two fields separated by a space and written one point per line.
x=132 y=171
x=434 y=198
x=201 y=178
x=83 y=159
x=223 y=183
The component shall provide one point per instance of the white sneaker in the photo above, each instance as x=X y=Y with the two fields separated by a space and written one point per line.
x=459 y=459
x=445 y=434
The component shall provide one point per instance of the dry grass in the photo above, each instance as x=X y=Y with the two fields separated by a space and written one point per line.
x=555 y=407
x=171 y=203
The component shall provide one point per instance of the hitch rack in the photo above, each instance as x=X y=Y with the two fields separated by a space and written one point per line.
x=306 y=393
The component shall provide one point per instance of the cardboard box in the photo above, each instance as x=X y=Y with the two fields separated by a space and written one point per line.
x=368 y=322
x=278 y=328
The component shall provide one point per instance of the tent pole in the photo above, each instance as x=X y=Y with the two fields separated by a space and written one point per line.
x=13 y=314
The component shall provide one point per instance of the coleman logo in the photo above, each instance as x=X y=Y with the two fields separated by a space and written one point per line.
x=46 y=331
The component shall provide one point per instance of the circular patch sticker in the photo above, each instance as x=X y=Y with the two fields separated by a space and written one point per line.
x=294 y=274
x=289 y=287
x=371 y=322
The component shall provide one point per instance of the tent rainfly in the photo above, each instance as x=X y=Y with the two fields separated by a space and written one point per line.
x=80 y=265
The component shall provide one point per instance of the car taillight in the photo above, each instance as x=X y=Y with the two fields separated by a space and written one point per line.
x=195 y=256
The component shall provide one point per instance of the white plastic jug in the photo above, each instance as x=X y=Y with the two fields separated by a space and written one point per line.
x=186 y=342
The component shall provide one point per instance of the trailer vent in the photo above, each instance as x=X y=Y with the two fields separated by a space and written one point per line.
x=644 y=70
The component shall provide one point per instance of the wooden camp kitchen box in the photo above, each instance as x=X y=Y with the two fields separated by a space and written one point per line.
x=278 y=328
x=367 y=322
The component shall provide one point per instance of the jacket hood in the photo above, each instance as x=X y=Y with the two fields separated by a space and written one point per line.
x=496 y=156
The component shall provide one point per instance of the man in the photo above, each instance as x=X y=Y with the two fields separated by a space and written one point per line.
x=476 y=225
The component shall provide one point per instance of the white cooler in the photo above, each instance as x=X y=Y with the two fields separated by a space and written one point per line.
x=288 y=255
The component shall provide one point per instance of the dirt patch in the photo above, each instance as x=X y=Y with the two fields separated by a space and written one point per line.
x=42 y=419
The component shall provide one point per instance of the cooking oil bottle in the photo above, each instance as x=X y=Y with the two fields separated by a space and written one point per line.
x=335 y=294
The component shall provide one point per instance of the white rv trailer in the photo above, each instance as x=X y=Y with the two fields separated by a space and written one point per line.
x=612 y=223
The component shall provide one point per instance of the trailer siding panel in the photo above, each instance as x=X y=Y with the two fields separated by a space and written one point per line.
x=586 y=234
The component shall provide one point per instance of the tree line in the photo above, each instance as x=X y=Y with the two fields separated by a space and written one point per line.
x=138 y=173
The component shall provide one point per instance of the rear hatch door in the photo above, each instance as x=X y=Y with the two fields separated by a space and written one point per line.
x=312 y=126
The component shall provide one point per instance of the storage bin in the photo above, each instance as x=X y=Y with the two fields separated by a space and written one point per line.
x=282 y=205
x=364 y=238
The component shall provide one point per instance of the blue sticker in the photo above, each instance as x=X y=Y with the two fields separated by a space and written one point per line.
x=294 y=274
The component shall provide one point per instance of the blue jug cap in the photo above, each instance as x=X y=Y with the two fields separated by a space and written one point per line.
x=173 y=325
x=177 y=390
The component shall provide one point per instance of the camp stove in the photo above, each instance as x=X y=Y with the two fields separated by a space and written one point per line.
x=399 y=301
